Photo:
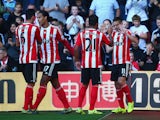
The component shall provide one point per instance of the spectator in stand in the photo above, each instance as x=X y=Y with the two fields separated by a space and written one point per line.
x=2 y=40
x=19 y=20
x=57 y=9
x=25 y=4
x=9 y=6
x=151 y=59
x=158 y=66
x=3 y=26
x=139 y=31
x=134 y=64
x=155 y=38
x=104 y=9
x=2 y=8
x=3 y=31
x=41 y=4
x=82 y=11
x=122 y=4
x=106 y=49
x=74 y=23
x=10 y=45
x=138 y=53
x=137 y=7
x=86 y=4
x=154 y=12
x=7 y=64
x=67 y=63
x=16 y=13
x=86 y=25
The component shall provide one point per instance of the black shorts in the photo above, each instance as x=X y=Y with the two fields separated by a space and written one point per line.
x=120 y=70
x=91 y=73
x=51 y=70
x=29 y=72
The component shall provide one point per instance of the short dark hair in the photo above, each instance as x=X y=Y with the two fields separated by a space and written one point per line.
x=158 y=17
x=45 y=14
x=30 y=13
x=136 y=17
x=93 y=20
x=21 y=18
x=107 y=20
x=117 y=19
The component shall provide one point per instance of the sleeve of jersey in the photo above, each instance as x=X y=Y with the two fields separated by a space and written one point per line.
x=78 y=40
x=65 y=42
x=106 y=40
x=38 y=37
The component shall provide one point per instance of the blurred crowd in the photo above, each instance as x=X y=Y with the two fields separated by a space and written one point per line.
x=141 y=17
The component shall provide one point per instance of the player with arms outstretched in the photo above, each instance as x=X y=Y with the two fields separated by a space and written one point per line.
x=50 y=60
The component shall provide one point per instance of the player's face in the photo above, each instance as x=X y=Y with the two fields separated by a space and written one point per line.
x=116 y=25
x=41 y=19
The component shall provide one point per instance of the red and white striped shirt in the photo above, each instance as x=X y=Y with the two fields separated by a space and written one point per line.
x=91 y=41
x=49 y=47
x=121 y=45
x=28 y=35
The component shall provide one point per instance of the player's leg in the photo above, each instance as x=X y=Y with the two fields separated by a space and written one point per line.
x=47 y=72
x=126 y=89
x=96 y=80
x=30 y=75
x=85 y=77
x=114 y=77
x=120 y=95
x=59 y=90
x=61 y=95
x=41 y=92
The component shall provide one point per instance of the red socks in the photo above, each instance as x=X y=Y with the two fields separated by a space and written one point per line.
x=93 y=97
x=40 y=95
x=126 y=90
x=120 y=98
x=62 y=96
x=82 y=93
x=28 y=97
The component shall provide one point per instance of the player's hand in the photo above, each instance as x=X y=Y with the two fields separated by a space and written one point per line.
x=78 y=65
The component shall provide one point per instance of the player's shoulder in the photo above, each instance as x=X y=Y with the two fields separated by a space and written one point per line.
x=53 y=26
x=33 y=25
x=92 y=30
x=129 y=31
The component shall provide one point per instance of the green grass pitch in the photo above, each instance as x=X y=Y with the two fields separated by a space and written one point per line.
x=49 y=115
